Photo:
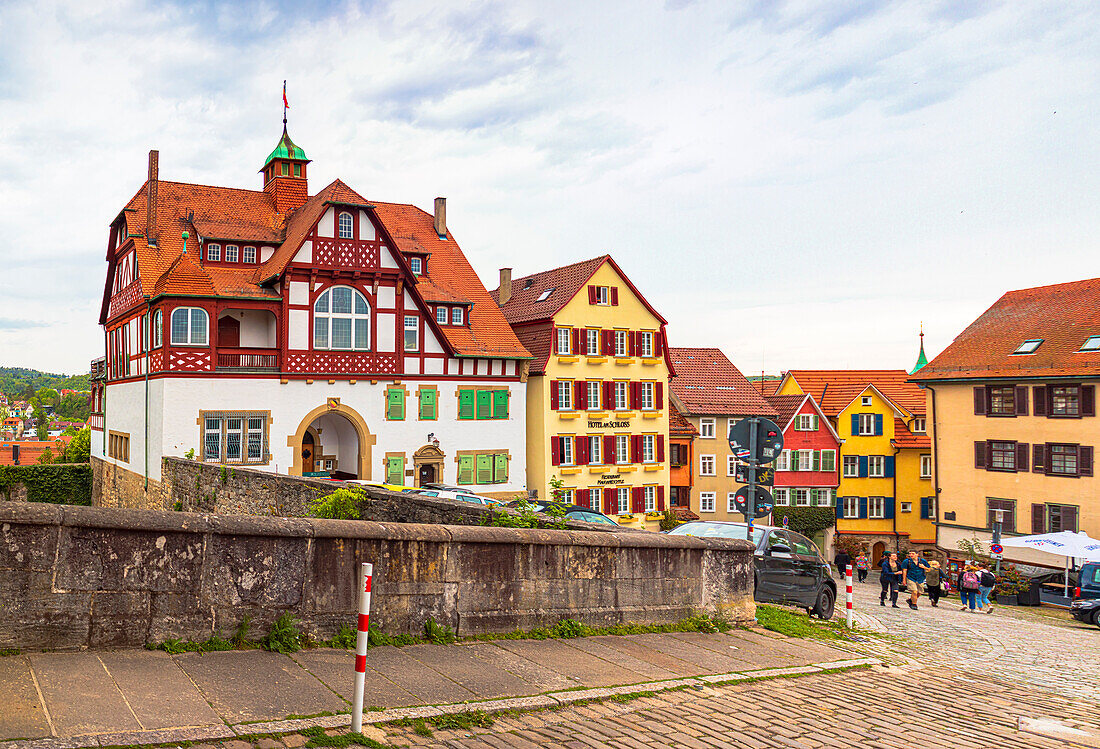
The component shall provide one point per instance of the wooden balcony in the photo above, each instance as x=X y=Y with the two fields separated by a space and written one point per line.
x=248 y=360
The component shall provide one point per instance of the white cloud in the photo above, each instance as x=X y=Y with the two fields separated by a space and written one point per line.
x=804 y=180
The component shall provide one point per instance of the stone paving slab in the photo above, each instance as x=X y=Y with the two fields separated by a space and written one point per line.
x=705 y=659
x=410 y=674
x=632 y=663
x=582 y=668
x=632 y=647
x=21 y=712
x=480 y=676
x=248 y=685
x=157 y=690
x=336 y=669
x=80 y=695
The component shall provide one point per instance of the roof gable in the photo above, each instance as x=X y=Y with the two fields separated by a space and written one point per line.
x=707 y=382
x=835 y=389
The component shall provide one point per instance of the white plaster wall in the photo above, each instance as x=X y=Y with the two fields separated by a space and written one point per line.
x=386 y=332
x=266 y=253
x=431 y=343
x=257 y=328
x=297 y=329
x=412 y=365
x=339 y=438
x=385 y=258
x=290 y=403
x=125 y=412
x=304 y=253
x=433 y=366
x=326 y=227
x=386 y=298
x=366 y=228
x=299 y=292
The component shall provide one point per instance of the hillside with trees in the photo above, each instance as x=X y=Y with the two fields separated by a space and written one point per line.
x=21 y=383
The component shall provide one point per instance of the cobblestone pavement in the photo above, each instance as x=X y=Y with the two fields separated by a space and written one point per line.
x=878 y=708
x=1061 y=659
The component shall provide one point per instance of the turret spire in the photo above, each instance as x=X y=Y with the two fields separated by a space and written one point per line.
x=922 y=360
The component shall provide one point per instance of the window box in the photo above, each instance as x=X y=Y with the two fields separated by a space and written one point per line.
x=595 y=359
x=562 y=359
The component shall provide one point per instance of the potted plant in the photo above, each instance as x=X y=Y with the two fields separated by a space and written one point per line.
x=1010 y=586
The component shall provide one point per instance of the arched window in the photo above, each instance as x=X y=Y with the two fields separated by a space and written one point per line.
x=341 y=320
x=158 y=329
x=190 y=326
x=345 y=226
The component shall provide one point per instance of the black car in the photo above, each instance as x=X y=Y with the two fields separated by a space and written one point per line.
x=1086 y=610
x=789 y=566
x=572 y=512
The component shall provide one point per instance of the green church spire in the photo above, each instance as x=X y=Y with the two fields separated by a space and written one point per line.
x=922 y=360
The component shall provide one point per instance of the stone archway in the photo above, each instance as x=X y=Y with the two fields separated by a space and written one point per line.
x=365 y=440
x=428 y=465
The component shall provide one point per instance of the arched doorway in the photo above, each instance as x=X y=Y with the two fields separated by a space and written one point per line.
x=428 y=465
x=332 y=439
x=877 y=552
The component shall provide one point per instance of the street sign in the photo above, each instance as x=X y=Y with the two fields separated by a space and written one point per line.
x=764 y=501
x=764 y=476
x=996 y=548
x=769 y=440
x=997 y=555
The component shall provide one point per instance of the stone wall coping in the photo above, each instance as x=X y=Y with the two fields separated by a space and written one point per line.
x=31 y=513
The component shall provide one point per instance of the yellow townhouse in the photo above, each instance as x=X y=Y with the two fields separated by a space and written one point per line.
x=597 y=419
x=885 y=501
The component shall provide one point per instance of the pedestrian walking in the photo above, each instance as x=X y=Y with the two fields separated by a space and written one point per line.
x=932 y=582
x=842 y=560
x=986 y=582
x=891 y=578
x=968 y=583
x=862 y=565
x=915 y=575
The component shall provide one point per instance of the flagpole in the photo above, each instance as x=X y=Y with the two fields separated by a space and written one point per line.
x=284 y=104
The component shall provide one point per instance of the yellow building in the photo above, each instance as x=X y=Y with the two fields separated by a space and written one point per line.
x=885 y=499
x=597 y=418
x=1013 y=408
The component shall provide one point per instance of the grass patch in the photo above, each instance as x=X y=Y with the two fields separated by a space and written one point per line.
x=318 y=737
x=10 y=651
x=798 y=624
x=284 y=636
x=455 y=722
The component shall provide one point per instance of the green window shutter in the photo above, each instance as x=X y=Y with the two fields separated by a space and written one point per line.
x=427 y=404
x=466 y=405
x=484 y=404
x=500 y=468
x=816 y=423
x=466 y=468
x=500 y=404
x=484 y=469
x=395 y=471
x=828 y=460
x=395 y=404
x=817 y=460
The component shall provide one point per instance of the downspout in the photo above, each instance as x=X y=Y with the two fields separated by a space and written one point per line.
x=894 y=480
x=935 y=464
x=145 y=342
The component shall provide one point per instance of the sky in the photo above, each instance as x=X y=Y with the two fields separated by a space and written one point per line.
x=801 y=184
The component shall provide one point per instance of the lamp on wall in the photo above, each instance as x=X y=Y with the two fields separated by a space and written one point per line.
x=432 y=439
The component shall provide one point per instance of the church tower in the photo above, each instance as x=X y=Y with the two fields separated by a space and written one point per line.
x=285 y=175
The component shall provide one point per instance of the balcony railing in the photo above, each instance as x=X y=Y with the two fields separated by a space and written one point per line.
x=248 y=358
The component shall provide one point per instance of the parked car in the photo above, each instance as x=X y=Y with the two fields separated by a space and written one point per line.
x=381 y=485
x=572 y=512
x=1086 y=610
x=1088 y=581
x=789 y=567
x=461 y=496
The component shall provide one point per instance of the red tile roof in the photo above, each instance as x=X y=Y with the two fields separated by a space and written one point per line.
x=1063 y=316
x=678 y=426
x=536 y=338
x=707 y=382
x=904 y=438
x=250 y=216
x=834 y=389
x=683 y=514
x=767 y=388
x=786 y=406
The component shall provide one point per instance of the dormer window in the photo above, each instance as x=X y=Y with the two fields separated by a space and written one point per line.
x=1029 y=346
x=231 y=251
x=457 y=316
x=1092 y=343
x=213 y=252
x=441 y=315
x=248 y=255
x=546 y=294
x=416 y=265
x=345 y=226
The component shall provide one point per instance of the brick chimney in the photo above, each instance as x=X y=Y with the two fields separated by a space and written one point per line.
x=151 y=198
x=441 y=217
x=505 y=292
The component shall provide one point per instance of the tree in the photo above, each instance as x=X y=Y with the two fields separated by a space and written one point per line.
x=79 y=448
x=74 y=407
x=47 y=396
x=43 y=421
x=45 y=457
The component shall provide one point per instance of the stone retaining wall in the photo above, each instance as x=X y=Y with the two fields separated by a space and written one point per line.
x=73 y=577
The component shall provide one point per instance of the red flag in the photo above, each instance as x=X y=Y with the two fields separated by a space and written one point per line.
x=285 y=102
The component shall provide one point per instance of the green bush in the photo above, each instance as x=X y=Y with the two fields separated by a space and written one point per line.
x=440 y=634
x=806 y=520
x=342 y=504
x=284 y=636
x=670 y=521
x=61 y=484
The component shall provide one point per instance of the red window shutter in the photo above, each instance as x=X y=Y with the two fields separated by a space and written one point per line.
x=580 y=395
x=637 y=503
x=635 y=448
x=580 y=451
x=610 y=502
x=632 y=343
x=1088 y=400
x=659 y=396
x=553 y=395
x=1069 y=518
x=614 y=296
x=1038 y=458
x=1040 y=399
x=555 y=451
x=1084 y=460
x=660 y=448
x=979 y=454
x=608 y=395
x=608 y=341
x=635 y=395
x=591 y=294
x=979 y=400
x=1038 y=518
x=1022 y=450
x=1021 y=400
x=609 y=449
x=661 y=498
x=659 y=343
x=576 y=336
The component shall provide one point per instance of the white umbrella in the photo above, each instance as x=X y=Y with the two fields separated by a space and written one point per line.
x=1064 y=544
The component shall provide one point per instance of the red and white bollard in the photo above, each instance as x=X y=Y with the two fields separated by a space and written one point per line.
x=366 y=572
x=848 y=591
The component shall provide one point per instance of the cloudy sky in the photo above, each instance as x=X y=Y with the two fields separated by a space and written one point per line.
x=798 y=183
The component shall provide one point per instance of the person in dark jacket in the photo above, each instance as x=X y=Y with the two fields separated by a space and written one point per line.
x=842 y=561
x=892 y=574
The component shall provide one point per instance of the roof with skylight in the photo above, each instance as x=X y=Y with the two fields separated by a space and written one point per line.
x=1029 y=346
x=1092 y=343
x=546 y=294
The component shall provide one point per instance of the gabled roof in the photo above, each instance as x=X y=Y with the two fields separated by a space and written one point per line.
x=905 y=438
x=835 y=389
x=1063 y=316
x=786 y=406
x=563 y=284
x=678 y=426
x=707 y=382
